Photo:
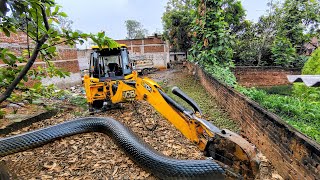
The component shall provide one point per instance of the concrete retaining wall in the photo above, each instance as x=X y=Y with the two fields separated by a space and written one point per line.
x=83 y=58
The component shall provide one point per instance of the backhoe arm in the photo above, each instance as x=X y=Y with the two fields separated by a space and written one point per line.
x=222 y=145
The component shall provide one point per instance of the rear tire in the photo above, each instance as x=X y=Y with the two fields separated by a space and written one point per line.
x=97 y=104
x=145 y=72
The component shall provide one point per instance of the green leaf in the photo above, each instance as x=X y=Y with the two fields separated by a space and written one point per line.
x=25 y=78
x=52 y=49
x=6 y=32
x=75 y=34
x=101 y=35
x=13 y=57
x=44 y=46
x=43 y=52
x=5 y=61
x=63 y=14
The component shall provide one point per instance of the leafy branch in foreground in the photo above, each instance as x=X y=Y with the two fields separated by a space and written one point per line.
x=37 y=20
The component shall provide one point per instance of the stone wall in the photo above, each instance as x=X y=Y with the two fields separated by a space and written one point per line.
x=293 y=154
x=263 y=76
x=67 y=58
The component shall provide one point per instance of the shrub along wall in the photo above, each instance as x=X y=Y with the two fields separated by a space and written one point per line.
x=293 y=154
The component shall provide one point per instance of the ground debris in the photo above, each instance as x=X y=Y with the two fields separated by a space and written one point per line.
x=95 y=155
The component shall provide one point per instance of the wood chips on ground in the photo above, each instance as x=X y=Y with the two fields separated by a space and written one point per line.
x=95 y=155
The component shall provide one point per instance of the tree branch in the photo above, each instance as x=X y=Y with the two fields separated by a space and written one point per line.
x=24 y=71
x=61 y=42
x=30 y=62
x=45 y=19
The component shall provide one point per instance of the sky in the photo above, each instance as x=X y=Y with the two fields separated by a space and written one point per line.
x=109 y=15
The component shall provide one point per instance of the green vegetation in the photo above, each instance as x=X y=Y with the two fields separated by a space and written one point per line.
x=207 y=103
x=279 y=37
x=285 y=90
x=212 y=42
x=301 y=114
x=221 y=38
x=79 y=101
x=283 y=52
x=312 y=66
x=2 y=113
x=311 y=94
x=177 y=23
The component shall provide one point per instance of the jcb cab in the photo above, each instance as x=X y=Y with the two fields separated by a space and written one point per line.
x=109 y=63
x=108 y=68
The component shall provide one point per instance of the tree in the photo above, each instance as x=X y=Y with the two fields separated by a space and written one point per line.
x=36 y=19
x=234 y=15
x=179 y=5
x=212 y=41
x=299 y=21
x=283 y=52
x=248 y=46
x=177 y=24
x=135 y=30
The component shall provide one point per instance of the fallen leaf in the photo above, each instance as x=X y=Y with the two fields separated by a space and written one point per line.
x=115 y=170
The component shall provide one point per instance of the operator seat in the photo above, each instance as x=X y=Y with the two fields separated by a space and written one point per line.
x=114 y=67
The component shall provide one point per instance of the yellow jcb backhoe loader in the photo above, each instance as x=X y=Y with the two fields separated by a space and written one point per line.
x=110 y=81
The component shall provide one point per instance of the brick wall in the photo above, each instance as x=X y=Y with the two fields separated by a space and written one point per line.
x=153 y=48
x=263 y=76
x=67 y=58
x=293 y=154
x=19 y=38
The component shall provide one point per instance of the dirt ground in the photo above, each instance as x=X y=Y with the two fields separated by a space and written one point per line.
x=95 y=155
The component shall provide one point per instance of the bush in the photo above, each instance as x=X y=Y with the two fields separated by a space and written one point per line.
x=312 y=66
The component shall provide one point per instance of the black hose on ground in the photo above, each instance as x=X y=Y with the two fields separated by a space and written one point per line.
x=145 y=156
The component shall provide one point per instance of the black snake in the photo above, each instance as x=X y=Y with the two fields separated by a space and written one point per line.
x=159 y=165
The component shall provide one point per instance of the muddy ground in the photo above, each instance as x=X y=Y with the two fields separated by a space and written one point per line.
x=96 y=156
